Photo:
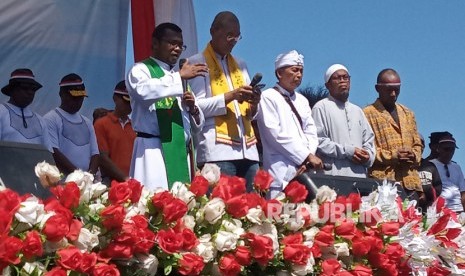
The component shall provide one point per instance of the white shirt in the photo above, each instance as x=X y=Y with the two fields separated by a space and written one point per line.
x=147 y=163
x=73 y=135
x=207 y=149
x=286 y=144
x=341 y=127
x=13 y=130
x=452 y=185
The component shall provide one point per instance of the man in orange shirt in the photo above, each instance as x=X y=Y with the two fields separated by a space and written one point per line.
x=115 y=137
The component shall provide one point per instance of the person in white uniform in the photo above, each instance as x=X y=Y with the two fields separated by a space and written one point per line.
x=154 y=87
x=453 y=182
x=287 y=129
x=228 y=103
x=72 y=134
x=346 y=140
x=18 y=123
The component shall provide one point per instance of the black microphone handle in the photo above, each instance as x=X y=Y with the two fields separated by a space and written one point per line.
x=184 y=82
x=256 y=79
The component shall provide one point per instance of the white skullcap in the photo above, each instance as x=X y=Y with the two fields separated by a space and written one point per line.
x=333 y=68
x=288 y=59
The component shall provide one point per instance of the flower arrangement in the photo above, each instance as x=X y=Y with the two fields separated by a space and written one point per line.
x=213 y=227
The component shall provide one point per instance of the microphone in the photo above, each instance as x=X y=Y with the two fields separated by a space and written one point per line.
x=326 y=166
x=184 y=82
x=256 y=79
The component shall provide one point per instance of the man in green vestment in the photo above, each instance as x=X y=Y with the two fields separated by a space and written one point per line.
x=163 y=113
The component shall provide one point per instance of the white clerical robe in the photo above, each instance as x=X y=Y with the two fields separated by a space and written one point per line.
x=286 y=144
x=147 y=164
x=342 y=127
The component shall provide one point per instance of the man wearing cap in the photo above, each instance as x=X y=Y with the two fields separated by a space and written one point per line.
x=398 y=145
x=163 y=112
x=228 y=103
x=346 y=140
x=287 y=129
x=453 y=182
x=18 y=123
x=72 y=135
x=115 y=137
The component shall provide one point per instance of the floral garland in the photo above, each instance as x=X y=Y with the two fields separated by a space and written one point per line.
x=86 y=228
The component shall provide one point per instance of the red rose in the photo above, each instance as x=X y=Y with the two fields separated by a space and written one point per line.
x=10 y=248
x=262 y=180
x=228 y=188
x=140 y=221
x=160 y=199
x=113 y=217
x=68 y=195
x=9 y=201
x=361 y=247
x=118 y=250
x=136 y=190
x=102 y=269
x=254 y=200
x=199 y=186
x=69 y=258
x=237 y=206
x=262 y=248
x=32 y=245
x=293 y=239
x=189 y=239
x=296 y=192
x=243 y=255
x=74 y=230
x=331 y=267
x=145 y=240
x=88 y=262
x=371 y=217
x=56 y=228
x=378 y=260
x=394 y=251
x=229 y=266
x=5 y=222
x=169 y=241
x=56 y=271
x=324 y=239
x=345 y=229
x=353 y=202
x=361 y=270
x=273 y=209
x=119 y=192
x=190 y=264
x=54 y=205
x=296 y=253
x=174 y=210
x=437 y=270
x=390 y=228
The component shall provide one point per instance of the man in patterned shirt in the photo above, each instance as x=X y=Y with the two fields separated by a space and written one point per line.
x=398 y=144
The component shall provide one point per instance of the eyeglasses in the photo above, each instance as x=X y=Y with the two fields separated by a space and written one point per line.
x=235 y=38
x=341 y=78
x=447 y=170
x=389 y=86
x=175 y=44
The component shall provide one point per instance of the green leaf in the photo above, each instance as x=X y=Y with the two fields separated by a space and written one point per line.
x=168 y=269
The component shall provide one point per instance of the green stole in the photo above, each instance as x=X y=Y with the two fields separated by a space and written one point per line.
x=171 y=132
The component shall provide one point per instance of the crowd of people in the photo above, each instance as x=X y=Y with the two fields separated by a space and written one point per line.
x=167 y=124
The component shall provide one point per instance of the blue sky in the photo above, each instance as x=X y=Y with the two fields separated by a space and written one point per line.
x=423 y=40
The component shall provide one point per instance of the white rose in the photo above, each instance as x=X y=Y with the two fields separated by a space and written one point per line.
x=180 y=191
x=81 y=178
x=294 y=224
x=205 y=248
x=255 y=215
x=214 y=210
x=97 y=189
x=52 y=247
x=95 y=209
x=211 y=172
x=225 y=241
x=35 y=268
x=325 y=193
x=148 y=263
x=87 y=239
x=189 y=221
x=310 y=234
x=342 y=249
x=31 y=211
x=48 y=175
x=233 y=226
x=302 y=270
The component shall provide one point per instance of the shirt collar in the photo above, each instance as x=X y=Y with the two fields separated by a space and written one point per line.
x=338 y=102
x=163 y=65
x=284 y=91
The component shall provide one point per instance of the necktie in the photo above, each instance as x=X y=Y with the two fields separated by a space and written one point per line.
x=24 y=119
x=447 y=170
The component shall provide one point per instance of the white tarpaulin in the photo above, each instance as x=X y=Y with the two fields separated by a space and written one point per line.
x=57 y=37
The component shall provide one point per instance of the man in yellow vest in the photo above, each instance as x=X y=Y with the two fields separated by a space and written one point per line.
x=162 y=112
x=228 y=103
